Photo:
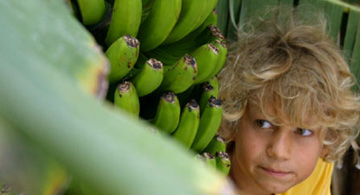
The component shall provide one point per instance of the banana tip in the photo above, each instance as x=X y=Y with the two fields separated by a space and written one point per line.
x=192 y=105
x=190 y=61
x=207 y=86
x=223 y=155
x=169 y=96
x=208 y=155
x=214 y=102
x=124 y=87
x=131 y=41
x=216 y=32
x=155 y=64
x=213 y=48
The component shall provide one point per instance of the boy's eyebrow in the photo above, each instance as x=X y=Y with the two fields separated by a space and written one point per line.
x=255 y=110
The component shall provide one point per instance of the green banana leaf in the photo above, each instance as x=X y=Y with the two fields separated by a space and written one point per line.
x=25 y=168
x=35 y=30
x=107 y=149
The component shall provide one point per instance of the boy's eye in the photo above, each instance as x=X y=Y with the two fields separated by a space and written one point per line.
x=304 y=132
x=263 y=124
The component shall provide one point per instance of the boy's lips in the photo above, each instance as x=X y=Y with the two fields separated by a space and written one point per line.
x=275 y=172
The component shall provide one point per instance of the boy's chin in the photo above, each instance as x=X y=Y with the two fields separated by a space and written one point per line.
x=277 y=188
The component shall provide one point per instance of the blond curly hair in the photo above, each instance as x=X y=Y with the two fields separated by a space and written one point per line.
x=296 y=67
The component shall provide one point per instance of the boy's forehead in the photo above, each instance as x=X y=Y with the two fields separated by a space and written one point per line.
x=255 y=108
x=268 y=111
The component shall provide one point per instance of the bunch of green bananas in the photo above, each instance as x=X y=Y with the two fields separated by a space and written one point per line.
x=164 y=57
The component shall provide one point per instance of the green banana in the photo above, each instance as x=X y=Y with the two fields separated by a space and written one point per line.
x=125 y=19
x=146 y=8
x=188 y=125
x=194 y=35
x=223 y=50
x=91 y=10
x=209 y=159
x=196 y=38
x=216 y=144
x=126 y=98
x=208 y=92
x=206 y=57
x=140 y=62
x=209 y=87
x=210 y=34
x=213 y=81
x=149 y=77
x=223 y=162
x=170 y=53
x=193 y=14
x=209 y=124
x=180 y=76
x=168 y=113
x=122 y=54
x=158 y=24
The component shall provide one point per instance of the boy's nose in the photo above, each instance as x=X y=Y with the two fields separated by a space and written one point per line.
x=279 y=145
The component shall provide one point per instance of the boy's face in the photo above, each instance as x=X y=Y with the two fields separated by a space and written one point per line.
x=271 y=159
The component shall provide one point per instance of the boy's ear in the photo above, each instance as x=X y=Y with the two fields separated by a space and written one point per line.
x=227 y=134
x=233 y=136
x=324 y=152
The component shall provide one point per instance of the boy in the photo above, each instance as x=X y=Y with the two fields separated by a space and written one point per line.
x=289 y=111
